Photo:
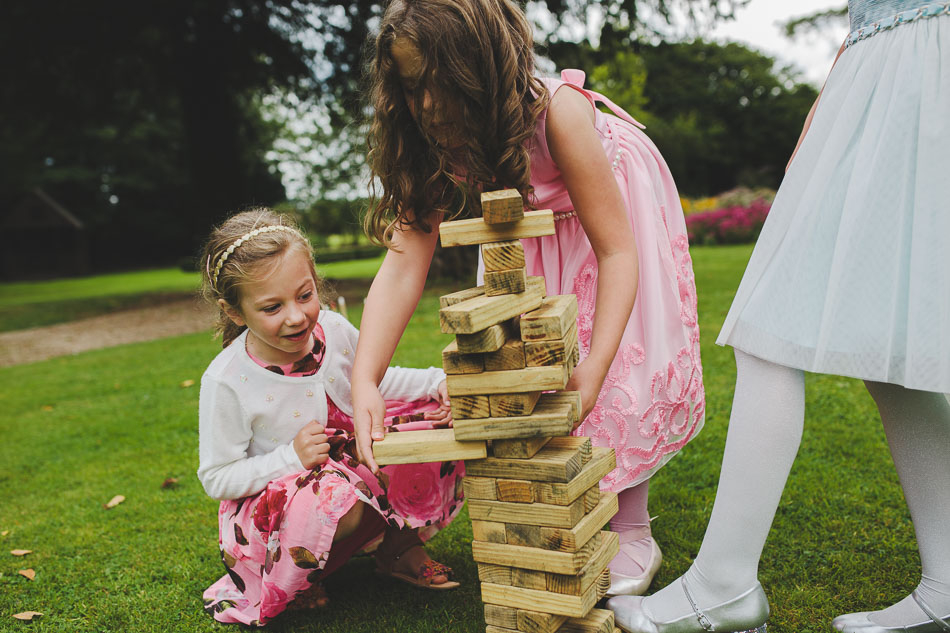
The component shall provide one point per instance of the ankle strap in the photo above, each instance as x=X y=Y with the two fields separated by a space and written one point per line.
x=704 y=620
x=635 y=534
x=943 y=624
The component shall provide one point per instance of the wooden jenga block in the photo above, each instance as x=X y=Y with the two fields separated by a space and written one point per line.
x=498 y=616
x=569 y=540
x=477 y=231
x=503 y=255
x=514 y=491
x=601 y=463
x=553 y=463
x=517 y=449
x=527 y=512
x=489 y=531
x=549 y=418
x=556 y=562
x=455 y=362
x=505 y=282
x=508 y=356
x=576 y=584
x=478 y=313
x=470 y=407
x=462 y=295
x=490 y=339
x=480 y=488
x=536 y=622
x=505 y=405
x=572 y=398
x=416 y=447
x=510 y=381
x=529 y=579
x=557 y=352
x=551 y=321
x=559 y=604
x=503 y=205
x=525 y=535
x=597 y=621
x=591 y=498
x=498 y=574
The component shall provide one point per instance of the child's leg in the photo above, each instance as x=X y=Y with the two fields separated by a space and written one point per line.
x=632 y=520
x=917 y=425
x=349 y=522
x=765 y=430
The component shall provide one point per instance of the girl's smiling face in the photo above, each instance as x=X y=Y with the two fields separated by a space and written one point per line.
x=436 y=120
x=279 y=308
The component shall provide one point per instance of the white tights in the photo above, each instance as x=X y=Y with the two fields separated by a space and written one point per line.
x=764 y=433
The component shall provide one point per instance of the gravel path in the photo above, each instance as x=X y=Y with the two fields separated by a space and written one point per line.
x=128 y=326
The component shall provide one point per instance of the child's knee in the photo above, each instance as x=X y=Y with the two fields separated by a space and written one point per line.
x=349 y=522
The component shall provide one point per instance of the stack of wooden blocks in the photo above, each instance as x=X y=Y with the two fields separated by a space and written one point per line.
x=535 y=503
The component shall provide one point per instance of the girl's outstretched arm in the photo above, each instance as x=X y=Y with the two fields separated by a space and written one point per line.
x=392 y=299
x=577 y=150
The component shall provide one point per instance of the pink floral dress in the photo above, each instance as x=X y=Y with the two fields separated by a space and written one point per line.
x=652 y=402
x=276 y=544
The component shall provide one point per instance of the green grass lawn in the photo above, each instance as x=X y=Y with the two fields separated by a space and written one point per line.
x=78 y=430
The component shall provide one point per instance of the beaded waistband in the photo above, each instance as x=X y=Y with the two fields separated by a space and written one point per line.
x=905 y=17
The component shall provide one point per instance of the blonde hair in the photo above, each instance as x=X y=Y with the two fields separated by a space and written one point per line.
x=235 y=253
x=477 y=58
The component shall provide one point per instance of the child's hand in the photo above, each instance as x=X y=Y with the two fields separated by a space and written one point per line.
x=441 y=417
x=369 y=410
x=588 y=380
x=311 y=445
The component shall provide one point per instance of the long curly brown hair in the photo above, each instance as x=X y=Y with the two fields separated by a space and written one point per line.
x=477 y=62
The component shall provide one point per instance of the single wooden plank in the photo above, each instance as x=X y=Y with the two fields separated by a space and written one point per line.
x=556 y=562
x=557 y=352
x=556 y=603
x=602 y=462
x=552 y=320
x=571 y=442
x=549 y=419
x=542 y=514
x=569 y=540
x=557 y=463
x=523 y=448
x=489 y=628
x=529 y=579
x=470 y=407
x=571 y=397
x=416 y=447
x=597 y=621
x=504 y=617
x=526 y=535
x=505 y=282
x=514 y=491
x=479 y=488
x=499 y=574
x=536 y=622
x=591 y=498
x=503 y=205
x=477 y=231
x=508 y=356
x=455 y=362
x=478 y=313
x=576 y=584
x=462 y=295
x=506 y=405
x=489 y=532
x=503 y=255
x=490 y=339
x=511 y=381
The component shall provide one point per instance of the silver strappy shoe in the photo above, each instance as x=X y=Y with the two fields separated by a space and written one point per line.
x=746 y=613
x=861 y=622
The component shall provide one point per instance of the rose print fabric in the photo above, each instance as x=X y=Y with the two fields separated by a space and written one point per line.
x=275 y=544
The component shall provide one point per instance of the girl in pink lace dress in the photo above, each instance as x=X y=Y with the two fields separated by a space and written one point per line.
x=275 y=436
x=454 y=93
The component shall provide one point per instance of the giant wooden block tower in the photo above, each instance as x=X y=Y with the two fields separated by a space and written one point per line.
x=536 y=508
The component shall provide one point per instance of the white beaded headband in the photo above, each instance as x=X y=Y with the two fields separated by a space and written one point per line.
x=237 y=243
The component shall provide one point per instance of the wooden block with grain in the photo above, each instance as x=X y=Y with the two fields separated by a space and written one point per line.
x=416 y=447
x=477 y=231
x=503 y=255
x=576 y=584
x=601 y=463
x=517 y=449
x=553 y=561
x=551 y=321
x=480 y=488
x=513 y=490
x=503 y=205
x=556 y=603
x=498 y=616
x=511 y=620
x=460 y=296
x=526 y=512
x=553 y=463
x=569 y=540
x=508 y=356
x=490 y=339
x=526 y=535
x=489 y=532
x=455 y=362
x=505 y=405
x=499 y=574
x=509 y=381
x=597 y=621
x=505 y=282
x=478 y=313
x=557 y=352
x=547 y=420
x=470 y=407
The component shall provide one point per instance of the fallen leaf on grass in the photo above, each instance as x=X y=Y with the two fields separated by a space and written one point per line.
x=187 y=383
x=27 y=615
x=171 y=482
x=47 y=407
x=21 y=552
x=27 y=573
x=4 y=533
x=113 y=502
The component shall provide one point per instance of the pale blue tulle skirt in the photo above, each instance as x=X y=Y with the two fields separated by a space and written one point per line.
x=851 y=274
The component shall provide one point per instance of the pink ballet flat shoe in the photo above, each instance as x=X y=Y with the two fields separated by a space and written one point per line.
x=622 y=585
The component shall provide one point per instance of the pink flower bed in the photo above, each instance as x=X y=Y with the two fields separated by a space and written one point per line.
x=729 y=225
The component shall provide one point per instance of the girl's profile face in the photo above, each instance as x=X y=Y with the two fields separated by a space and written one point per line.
x=435 y=119
x=280 y=309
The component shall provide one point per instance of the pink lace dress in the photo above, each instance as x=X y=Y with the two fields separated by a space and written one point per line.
x=652 y=402
x=277 y=543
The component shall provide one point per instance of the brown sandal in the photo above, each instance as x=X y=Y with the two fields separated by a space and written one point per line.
x=394 y=547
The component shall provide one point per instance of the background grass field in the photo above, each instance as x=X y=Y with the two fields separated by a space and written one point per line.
x=78 y=430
